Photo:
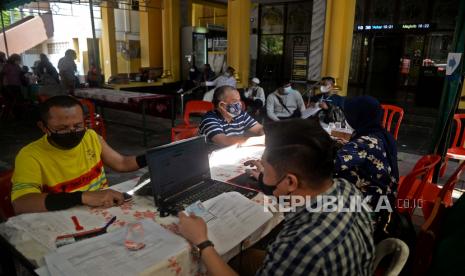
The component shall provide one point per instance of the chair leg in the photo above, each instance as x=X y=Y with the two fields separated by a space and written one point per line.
x=444 y=167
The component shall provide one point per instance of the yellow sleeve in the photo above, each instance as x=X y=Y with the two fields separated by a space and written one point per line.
x=27 y=176
x=96 y=141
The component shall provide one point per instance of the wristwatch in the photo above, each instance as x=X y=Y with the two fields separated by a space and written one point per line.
x=201 y=246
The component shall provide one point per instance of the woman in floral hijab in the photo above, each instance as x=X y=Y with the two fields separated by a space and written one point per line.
x=369 y=159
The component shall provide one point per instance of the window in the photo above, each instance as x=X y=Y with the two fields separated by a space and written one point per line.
x=37 y=50
x=57 y=48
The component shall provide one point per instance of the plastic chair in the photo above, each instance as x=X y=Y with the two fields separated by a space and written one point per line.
x=432 y=191
x=6 y=209
x=411 y=186
x=187 y=130
x=93 y=120
x=427 y=239
x=387 y=247
x=389 y=112
x=457 y=150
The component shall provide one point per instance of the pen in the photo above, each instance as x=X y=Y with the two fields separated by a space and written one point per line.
x=113 y=219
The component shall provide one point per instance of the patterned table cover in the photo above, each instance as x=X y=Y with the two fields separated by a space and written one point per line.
x=225 y=164
x=115 y=96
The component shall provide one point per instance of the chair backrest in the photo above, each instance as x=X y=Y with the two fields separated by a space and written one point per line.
x=448 y=188
x=458 y=123
x=399 y=251
x=6 y=209
x=90 y=116
x=198 y=107
x=427 y=239
x=421 y=173
x=389 y=112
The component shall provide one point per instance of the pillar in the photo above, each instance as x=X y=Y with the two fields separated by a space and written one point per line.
x=238 y=54
x=171 y=25
x=151 y=44
x=339 y=27
x=109 y=64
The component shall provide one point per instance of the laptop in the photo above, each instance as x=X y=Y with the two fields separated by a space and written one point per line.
x=180 y=176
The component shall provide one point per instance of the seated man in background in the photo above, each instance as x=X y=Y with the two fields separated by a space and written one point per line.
x=226 y=79
x=329 y=101
x=312 y=241
x=254 y=97
x=228 y=124
x=284 y=103
x=64 y=168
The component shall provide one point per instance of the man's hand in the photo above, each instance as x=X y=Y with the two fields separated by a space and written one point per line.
x=193 y=228
x=256 y=171
x=105 y=198
x=323 y=105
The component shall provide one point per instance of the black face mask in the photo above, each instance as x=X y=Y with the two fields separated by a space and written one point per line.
x=269 y=189
x=67 y=140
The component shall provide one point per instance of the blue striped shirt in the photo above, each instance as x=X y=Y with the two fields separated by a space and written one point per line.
x=213 y=124
x=323 y=243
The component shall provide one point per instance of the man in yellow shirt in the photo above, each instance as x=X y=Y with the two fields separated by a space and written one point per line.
x=64 y=168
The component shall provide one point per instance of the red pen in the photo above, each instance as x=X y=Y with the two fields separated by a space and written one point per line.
x=76 y=223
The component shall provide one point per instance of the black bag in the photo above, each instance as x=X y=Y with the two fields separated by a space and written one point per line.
x=296 y=114
x=333 y=114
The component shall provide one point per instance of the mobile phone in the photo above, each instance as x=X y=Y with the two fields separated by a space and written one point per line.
x=127 y=197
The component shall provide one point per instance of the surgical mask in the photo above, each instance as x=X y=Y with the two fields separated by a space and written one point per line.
x=269 y=189
x=67 y=140
x=325 y=89
x=234 y=109
x=227 y=74
x=287 y=90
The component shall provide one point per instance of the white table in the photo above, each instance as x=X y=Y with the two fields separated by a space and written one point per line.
x=33 y=235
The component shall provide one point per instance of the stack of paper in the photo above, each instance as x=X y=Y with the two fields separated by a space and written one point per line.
x=107 y=255
x=236 y=218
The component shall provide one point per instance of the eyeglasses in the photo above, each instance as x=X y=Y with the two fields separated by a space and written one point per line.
x=65 y=131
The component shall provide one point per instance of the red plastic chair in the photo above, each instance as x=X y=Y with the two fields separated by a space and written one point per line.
x=93 y=120
x=432 y=191
x=427 y=239
x=389 y=112
x=411 y=186
x=6 y=209
x=457 y=150
x=187 y=130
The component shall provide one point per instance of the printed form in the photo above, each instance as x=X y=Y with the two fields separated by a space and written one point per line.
x=107 y=255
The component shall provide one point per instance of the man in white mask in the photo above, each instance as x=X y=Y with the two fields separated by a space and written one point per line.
x=328 y=95
x=226 y=79
x=284 y=103
x=329 y=101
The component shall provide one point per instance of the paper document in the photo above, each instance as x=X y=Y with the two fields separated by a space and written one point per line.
x=44 y=227
x=236 y=218
x=254 y=141
x=310 y=112
x=107 y=255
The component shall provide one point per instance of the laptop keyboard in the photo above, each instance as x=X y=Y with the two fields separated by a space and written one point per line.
x=213 y=188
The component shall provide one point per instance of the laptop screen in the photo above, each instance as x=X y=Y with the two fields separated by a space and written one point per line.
x=176 y=167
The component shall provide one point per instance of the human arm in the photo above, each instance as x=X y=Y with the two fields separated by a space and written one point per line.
x=117 y=161
x=42 y=202
x=261 y=95
x=223 y=140
x=257 y=130
x=194 y=229
x=270 y=108
x=300 y=102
